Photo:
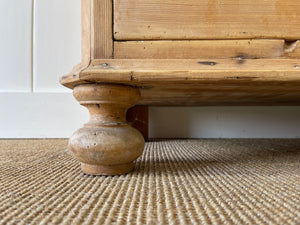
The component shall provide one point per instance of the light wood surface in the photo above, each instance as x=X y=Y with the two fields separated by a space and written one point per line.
x=96 y=34
x=206 y=19
x=97 y=37
x=150 y=71
x=235 y=93
x=201 y=81
x=106 y=145
x=255 y=48
x=102 y=29
x=144 y=71
x=110 y=146
x=86 y=35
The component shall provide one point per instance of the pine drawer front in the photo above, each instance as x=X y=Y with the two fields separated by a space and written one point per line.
x=206 y=19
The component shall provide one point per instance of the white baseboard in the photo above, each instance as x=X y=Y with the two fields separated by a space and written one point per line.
x=58 y=115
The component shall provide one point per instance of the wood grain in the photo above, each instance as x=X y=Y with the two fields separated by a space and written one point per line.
x=96 y=32
x=144 y=71
x=206 y=19
x=235 y=93
x=201 y=81
x=165 y=70
x=86 y=35
x=102 y=29
x=201 y=49
x=106 y=145
x=97 y=42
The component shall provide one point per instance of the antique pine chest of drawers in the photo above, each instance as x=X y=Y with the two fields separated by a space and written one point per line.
x=177 y=52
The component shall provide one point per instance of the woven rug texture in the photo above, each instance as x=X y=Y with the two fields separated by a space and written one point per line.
x=174 y=182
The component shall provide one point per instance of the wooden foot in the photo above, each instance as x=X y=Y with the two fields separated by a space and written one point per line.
x=106 y=145
x=107 y=170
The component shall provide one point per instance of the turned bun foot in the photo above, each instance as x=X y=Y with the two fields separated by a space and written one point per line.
x=107 y=170
x=106 y=145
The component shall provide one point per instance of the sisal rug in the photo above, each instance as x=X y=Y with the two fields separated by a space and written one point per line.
x=175 y=182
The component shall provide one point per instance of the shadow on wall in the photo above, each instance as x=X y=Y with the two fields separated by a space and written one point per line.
x=224 y=122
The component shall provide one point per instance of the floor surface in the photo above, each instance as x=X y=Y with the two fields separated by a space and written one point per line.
x=175 y=182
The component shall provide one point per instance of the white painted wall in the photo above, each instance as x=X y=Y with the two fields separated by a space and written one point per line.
x=40 y=41
x=225 y=122
x=15 y=45
x=57 y=43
